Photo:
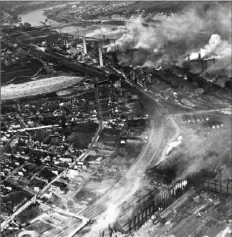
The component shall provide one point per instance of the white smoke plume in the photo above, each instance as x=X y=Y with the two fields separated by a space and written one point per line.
x=107 y=32
x=226 y=232
x=222 y=67
x=149 y=64
x=176 y=36
x=202 y=152
x=216 y=47
x=127 y=187
x=117 y=198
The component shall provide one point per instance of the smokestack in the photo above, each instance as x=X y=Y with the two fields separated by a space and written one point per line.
x=133 y=74
x=164 y=45
x=188 y=57
x=202 y=65
x=206 y=64
x=199 y=56
x=18 y=105
x=100 y=55
x=110 y=231
x=84 y=45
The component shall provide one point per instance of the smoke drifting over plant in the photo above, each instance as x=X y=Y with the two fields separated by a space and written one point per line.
x=199 y=28
x=108 y=31
x=202 y=152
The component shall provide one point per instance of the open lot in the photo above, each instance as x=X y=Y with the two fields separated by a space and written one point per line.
x=38 y=87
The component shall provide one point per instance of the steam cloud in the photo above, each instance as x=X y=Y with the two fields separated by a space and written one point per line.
x=109 y=32
x=125 y=190
x=196 y=29
x=202 y=152
x=226 y=232
x=216 y=47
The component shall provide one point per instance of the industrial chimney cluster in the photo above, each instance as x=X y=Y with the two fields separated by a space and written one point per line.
x=99 y=51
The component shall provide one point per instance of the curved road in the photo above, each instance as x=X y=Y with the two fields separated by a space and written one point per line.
x=107 y=208
x=129 y=184
x=173 y=138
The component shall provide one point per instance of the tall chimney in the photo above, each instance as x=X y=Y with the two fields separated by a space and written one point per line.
x=149 y=77
x=110 y=231
x=115 y=45
x=100 y=233
x=202 y=65
x=84 y=45
x=199 y=56
x=206 y=64
x=133 y=74
x=100 y=55
x=18 y=105
x=188 y=57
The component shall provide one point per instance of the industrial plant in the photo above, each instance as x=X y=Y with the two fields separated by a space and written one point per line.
x=116 y=119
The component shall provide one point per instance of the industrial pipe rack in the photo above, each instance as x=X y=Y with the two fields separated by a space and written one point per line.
x=218 y=186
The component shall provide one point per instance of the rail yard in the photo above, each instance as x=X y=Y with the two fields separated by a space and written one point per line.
x=115 y=122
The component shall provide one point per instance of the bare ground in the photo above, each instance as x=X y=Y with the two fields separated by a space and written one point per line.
x=38 y=87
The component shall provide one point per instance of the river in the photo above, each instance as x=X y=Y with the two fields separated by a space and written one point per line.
x=35 y=18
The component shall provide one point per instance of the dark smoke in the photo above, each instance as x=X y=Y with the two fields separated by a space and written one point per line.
x=202 y=152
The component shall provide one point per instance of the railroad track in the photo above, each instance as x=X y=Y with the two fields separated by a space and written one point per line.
x=151 y=148
x=228 y=109
x=94 y=212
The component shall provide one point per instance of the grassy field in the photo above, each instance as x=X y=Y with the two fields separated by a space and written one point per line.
x=38 y=87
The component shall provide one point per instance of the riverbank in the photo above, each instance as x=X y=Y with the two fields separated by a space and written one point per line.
x=36 y=16
x=35 y=6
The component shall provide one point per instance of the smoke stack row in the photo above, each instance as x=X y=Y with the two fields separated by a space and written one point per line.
x=110 y=232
